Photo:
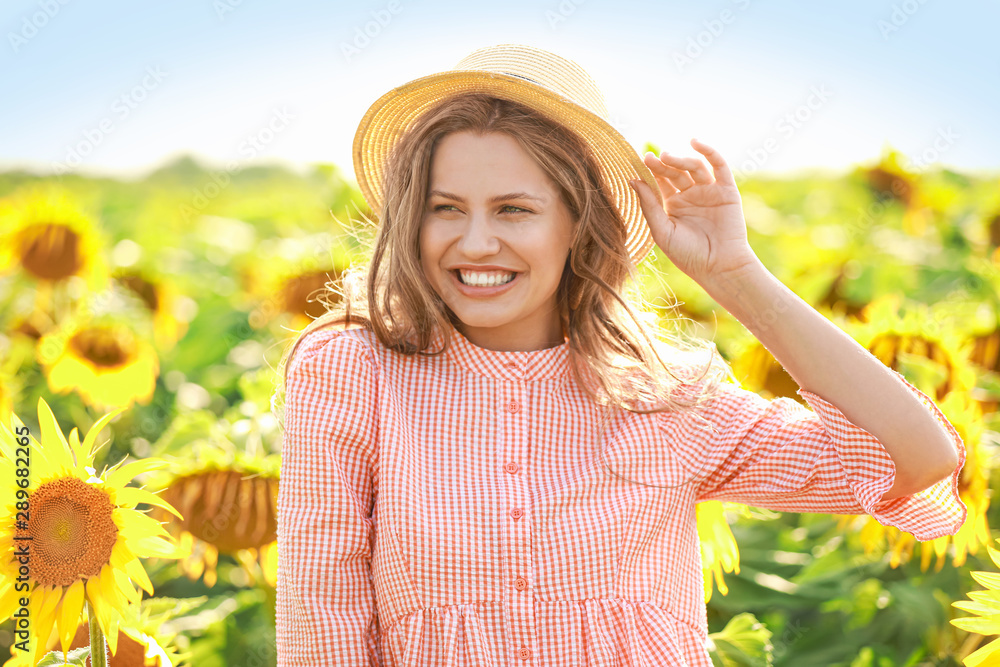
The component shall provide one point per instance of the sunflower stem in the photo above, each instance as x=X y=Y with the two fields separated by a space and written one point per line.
x=98 y=649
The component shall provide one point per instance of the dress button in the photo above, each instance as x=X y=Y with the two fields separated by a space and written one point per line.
x=524 y=653
x=513 y=407
x=517 y=512
x=510 y=467
x=520 y=583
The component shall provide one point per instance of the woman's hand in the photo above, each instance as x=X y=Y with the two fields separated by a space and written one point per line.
x=700 y=228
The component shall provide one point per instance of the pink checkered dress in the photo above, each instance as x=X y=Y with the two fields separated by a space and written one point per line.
x=456 y=510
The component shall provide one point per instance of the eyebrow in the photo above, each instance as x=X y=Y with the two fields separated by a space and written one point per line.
x=492 y=200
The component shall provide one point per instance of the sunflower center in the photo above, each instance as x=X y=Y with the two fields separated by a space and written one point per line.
x=71 y=529
x=51 y=252
x=142 y=288
x=226 y=509
x=103 y=346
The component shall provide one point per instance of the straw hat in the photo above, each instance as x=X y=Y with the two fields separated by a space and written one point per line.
x=554 y=86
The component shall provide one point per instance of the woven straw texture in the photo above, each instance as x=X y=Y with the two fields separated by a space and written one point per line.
x=554 y=86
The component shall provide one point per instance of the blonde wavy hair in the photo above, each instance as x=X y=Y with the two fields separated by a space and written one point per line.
x=617 y=357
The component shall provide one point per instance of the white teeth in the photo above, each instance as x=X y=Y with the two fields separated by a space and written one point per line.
x=482 y=279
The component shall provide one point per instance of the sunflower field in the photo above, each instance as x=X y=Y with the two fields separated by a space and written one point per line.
x=141 y=323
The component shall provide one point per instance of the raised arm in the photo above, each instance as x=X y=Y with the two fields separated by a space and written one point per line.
x=702 y=230
x=325 y=610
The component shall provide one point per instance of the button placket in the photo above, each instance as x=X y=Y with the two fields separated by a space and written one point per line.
x=520 y=570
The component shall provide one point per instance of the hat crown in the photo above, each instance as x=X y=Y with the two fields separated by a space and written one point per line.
x=542 y=68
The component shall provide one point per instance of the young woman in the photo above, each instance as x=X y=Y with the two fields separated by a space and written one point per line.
x=498 y=462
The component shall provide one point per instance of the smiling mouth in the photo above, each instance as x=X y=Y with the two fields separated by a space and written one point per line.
x=485 y=278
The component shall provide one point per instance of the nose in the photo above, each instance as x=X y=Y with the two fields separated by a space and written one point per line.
x=478 y=238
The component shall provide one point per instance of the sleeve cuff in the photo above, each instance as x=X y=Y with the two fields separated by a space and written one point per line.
x=934 y=512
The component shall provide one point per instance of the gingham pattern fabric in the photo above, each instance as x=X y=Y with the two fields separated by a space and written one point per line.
x=456 y=510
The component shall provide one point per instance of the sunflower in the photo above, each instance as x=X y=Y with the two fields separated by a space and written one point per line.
x=105 y=361
x=142 y=637
x=719 y=550
x=835 y=297
x=303 y=296
x=84 y=533
x=993 y=231
x=161 y=298
x=758 y=370
x=986 y=605
x=293 y=282
x=918 y=343
x=48 y=237
x=986 y=350
x=890 y=180
x=135 y=648
x=973 y=489
x=230 y=507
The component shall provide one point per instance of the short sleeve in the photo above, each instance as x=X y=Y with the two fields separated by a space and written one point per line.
x=325 y=608
x=781 y=455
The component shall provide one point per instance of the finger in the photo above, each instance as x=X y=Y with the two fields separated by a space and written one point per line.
x=676 y=177
x=696 y=167
x=656 y=217
x=667 y=188
x=721 y=168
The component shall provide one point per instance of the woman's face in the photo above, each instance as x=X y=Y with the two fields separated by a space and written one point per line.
x=493 y=242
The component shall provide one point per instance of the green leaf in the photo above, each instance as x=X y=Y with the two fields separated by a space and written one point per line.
x=77 y=658
x=744 y=642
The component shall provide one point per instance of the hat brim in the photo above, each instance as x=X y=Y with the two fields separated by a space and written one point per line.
x=393 y=114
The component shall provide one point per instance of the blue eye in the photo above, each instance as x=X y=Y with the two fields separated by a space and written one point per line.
x=441 y=207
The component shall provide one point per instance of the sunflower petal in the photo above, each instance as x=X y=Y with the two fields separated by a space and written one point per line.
x=8 y=441
x=985 y=656
x=42 y=626
x=977 y=608
x=101 y=608
x=139 y=524
x=49 y=605
x=138 y=573
x=8 y=600
x=59 y=458
x=269 y=563
x=125 y=586
x=987 y=625
x=88 y=442
x=120 y=555
x=69 y=614
x=994 y=553
x=109 y=589
x=153 y=546
x=987 y=597
x=119 y=477
x=132 y=495
x=987 y=579
x=112 y=635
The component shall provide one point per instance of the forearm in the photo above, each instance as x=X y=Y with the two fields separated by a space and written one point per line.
x=825 y=360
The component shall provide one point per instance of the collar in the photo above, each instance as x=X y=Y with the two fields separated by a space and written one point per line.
x=512 y=366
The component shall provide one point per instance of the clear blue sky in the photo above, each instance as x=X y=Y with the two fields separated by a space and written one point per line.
x=120 y=87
